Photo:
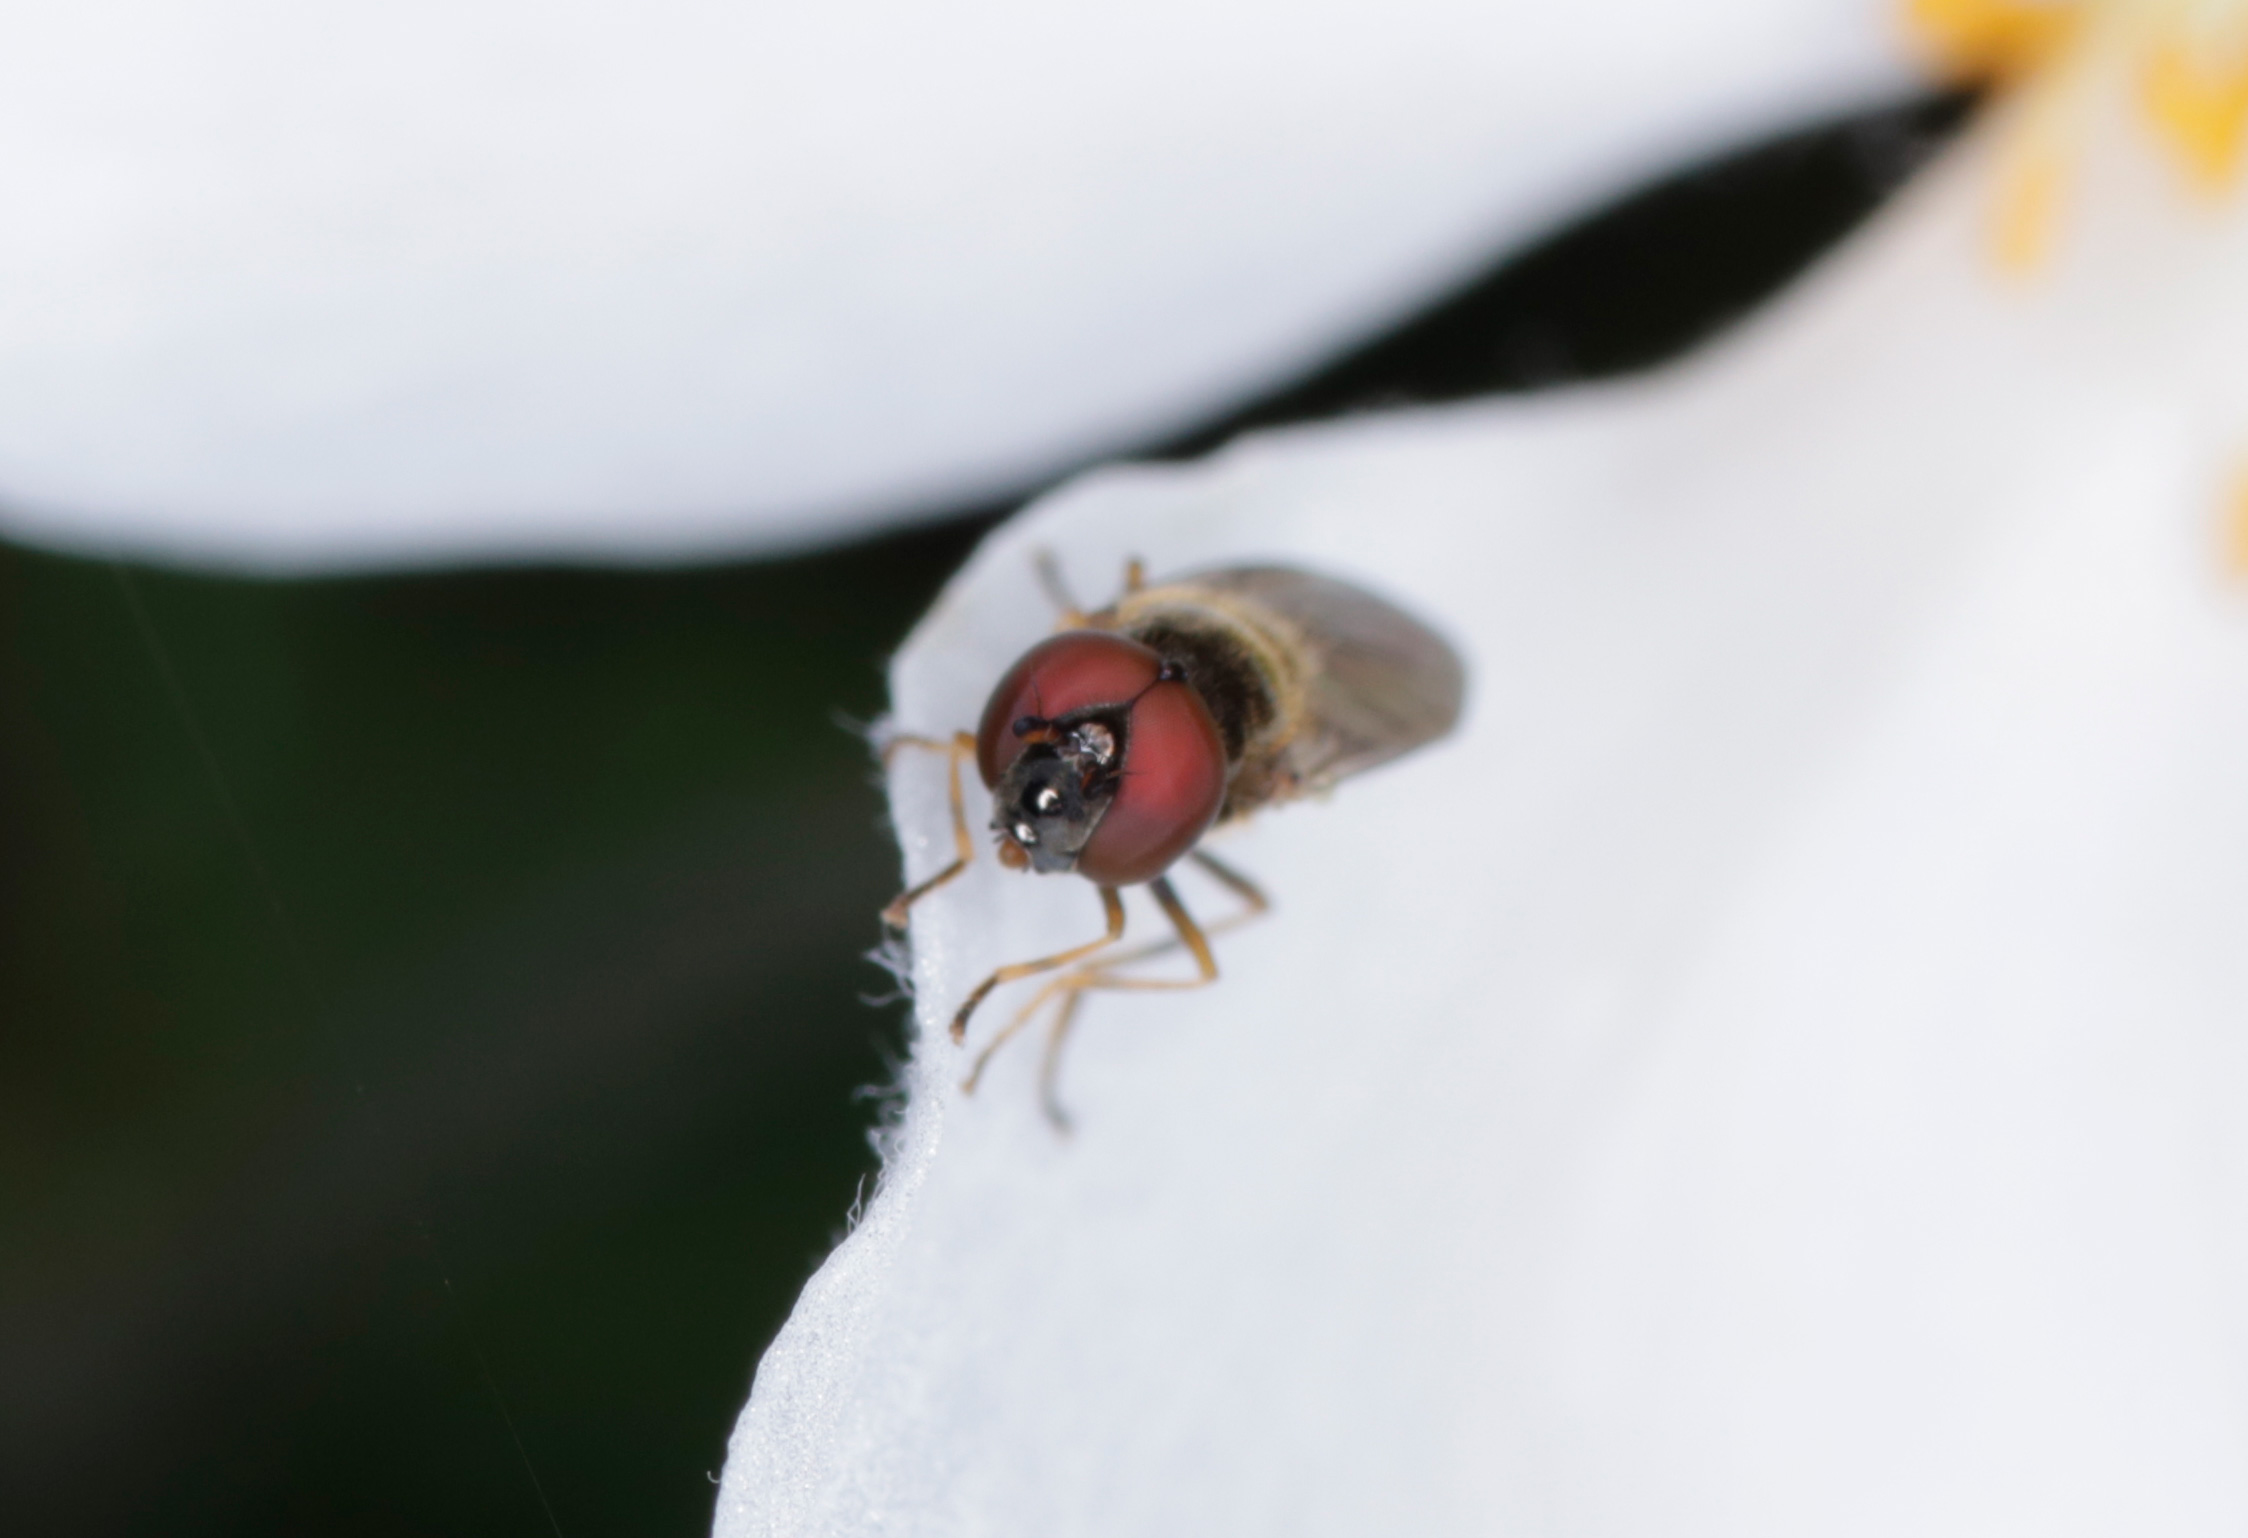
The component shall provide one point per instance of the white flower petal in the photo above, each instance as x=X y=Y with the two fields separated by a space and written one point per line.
x=425 y=281
x=1777 y=1071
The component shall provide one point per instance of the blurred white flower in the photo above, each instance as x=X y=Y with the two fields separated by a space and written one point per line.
x=314 y=288
x=1778 y=1070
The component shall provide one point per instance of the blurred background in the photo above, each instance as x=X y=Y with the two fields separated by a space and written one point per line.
x=436 y=1039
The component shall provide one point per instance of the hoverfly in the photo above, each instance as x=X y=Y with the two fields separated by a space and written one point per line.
x=1111 y=747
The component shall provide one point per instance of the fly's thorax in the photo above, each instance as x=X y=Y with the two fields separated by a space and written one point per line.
x=1251 y=666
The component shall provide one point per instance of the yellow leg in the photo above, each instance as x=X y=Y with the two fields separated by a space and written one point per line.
x=1006 y=1033
x=1241 y=886
x=1112 y=904
x=1189 y=932
x=1069 y=614
x=962 y=746
x=1050 y=1063
x=1070 y=988
x=1206 y=972
x=1103 y=974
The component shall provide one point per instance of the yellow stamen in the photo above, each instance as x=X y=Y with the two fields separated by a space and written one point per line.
x=1992 y=39
x=2201 y=106
x=2234 y=533
x=2028 y=207
x=2188 y=57
x=2058 y=64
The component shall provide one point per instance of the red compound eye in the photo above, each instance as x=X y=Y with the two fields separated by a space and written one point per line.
x=1174 y=767
x=1063 y=673
x=1174 y=781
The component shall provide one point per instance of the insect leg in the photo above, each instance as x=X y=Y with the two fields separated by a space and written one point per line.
x=1112 y=904
x=1071 y=987
x=1241 y=886
x=1050 y=1065
x=1065 y=987
x=1189 y=932
x=962 y=745
x=1104 y=975
x=1254 y=906
x=1012 y=1029
x=1072 y=617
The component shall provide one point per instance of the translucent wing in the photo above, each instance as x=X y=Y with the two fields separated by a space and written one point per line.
x=1382 y=682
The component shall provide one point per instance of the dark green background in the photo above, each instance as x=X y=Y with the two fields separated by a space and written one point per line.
x=432 y=1033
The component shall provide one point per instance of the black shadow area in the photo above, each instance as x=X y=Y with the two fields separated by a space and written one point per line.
x=1629 y=286
x=434 y=1031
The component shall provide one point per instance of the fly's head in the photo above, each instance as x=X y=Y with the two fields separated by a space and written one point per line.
x=1051 y=798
